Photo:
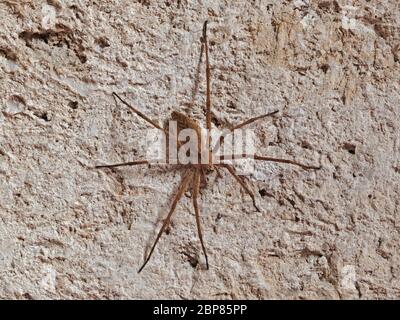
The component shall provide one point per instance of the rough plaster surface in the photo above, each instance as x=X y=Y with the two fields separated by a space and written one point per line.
x=330 y=67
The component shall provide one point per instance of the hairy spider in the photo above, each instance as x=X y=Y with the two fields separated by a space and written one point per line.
x=196 y=172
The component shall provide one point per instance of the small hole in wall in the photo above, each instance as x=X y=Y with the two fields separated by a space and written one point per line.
x=191 y=259
x=27 y=296
x=193 y=262
x=82 y=58
x=231 y=105
x=324 y=68
x=102 y=42
x=306 y=145
x=43 y=115
x=351 y=148
x=73 y=104
x=264 y=192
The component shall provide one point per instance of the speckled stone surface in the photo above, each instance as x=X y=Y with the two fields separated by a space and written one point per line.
x=331 y=68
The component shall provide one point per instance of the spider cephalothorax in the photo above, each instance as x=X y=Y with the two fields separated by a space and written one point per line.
x=196 y=171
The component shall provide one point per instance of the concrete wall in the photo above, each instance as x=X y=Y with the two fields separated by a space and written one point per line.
x=331 y=68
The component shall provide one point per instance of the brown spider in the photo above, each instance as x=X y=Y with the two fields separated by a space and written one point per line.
x=196 y=172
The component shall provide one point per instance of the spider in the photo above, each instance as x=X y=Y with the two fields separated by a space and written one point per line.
x=196 y=172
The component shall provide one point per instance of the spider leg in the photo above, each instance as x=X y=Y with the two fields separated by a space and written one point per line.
x=132 y=163
x=208 y=93
x=140 y=114
x=240 y=125
x=197 y=76
x=196 y=188
x=306 y=167
x=251 y=120
x=181 y=190
x=242 y=183
x=262 y=158
x=208 y=76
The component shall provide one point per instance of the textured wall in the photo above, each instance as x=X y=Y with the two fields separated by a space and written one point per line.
x=330 y=67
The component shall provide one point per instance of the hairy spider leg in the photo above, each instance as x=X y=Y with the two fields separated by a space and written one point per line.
x=270 y=159
x=204 y=40
x=251 y=120
x=140 y=114
x=242 y=183
x=181 y=190
x=196 y=189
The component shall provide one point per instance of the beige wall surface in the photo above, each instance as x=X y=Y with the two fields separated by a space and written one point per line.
x=331 y=68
